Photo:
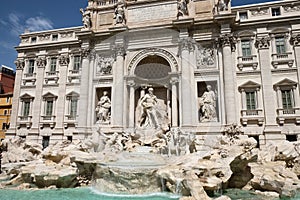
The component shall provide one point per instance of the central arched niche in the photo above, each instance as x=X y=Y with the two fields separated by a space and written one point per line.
x=152 y=67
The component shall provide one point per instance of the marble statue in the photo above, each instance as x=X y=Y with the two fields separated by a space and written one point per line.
x=182 y=8
x=149 y=117
x=103 y=108
x=86 y=18
x=207 y=104
x=223 y=5
x=119 y=14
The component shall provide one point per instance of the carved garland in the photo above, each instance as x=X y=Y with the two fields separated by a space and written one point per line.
x=64 y=60
x=41 y=62
x=153 y=51
x=295 y=40
x=263 y=42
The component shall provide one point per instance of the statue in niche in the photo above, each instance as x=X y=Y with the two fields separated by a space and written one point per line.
x=151 y=112
x=149 y=117
x=207 y=103
x=86 y=18
x=223 y=5
x=105 y=65
x=103 y=108
x=119 y=14
x=182 y=8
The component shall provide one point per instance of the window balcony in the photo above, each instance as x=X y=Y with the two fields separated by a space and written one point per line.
x=290 y=115
x=70 y=121
x=74 y=76
x=47 y=120
x=24 y=121
x=252 y=116
x=29 y=79
x=247 y=61
x=52 y=77
x=283 y=58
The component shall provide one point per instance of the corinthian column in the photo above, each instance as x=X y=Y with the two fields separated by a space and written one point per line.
x=118 y=87
x=84 y=89
x=187 y=83
x=227 y=43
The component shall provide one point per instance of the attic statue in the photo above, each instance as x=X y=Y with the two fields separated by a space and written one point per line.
x=86 y=18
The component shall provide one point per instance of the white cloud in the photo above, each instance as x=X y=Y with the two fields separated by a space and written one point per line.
x=38 y=24
x=17 y=24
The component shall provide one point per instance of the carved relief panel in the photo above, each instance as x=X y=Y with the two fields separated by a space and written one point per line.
x=206 y=56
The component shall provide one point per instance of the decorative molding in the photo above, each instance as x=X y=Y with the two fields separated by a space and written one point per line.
x=291 y=8
x=260 y=12
x=44 y=37
x=262 y=43
x=41 y=62
x=227 y=40
x=64 y=60
x=66 y=34
x=295 y=39
x=20 y=64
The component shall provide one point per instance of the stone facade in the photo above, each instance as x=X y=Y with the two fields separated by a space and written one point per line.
x=209 y=64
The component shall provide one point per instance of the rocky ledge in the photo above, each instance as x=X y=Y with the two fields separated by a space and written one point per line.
x=220 y=164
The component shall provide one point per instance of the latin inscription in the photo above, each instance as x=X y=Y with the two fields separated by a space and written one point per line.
x=154 y=12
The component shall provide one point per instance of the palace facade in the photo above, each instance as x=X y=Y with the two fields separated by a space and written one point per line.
x=208 y=65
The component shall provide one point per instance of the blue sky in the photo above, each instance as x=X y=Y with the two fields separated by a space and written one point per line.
x=36 y=15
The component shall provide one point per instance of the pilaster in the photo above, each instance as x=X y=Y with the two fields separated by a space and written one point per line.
x=20 y=64
x=295 y=41
x=263 y=45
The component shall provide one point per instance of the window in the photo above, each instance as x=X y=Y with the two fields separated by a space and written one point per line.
x=76 y=63
x=31 y=66
x=287 y=102
x=33 y=40
x=49 y=108
x=246 y=48
x=26 y=108
x=291 y=138
x=280 y=45
x=73 y=108
x=54 y=37
x=243 y=15
x=53 y=62
x=4 y=126
x=70 y=138
x=276 y=12
x=7 y=99
x=5 y=112
x=251 y=100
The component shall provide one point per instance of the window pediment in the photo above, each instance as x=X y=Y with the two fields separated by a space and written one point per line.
x=285 y=83
x=250 y=85
x=49 y=95
x=26 y=96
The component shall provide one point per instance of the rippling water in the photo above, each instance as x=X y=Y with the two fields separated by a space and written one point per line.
x=89 y=194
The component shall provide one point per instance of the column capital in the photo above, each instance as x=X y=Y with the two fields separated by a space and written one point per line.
x=64 y=60
x=295 y=39
x=119 y=50
x=20 y=64
x=85 y=52
x=262 y=42
x=41 y=62
x=186 y=44
x=131 y=83
x=174 y=80
x=227 y=40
